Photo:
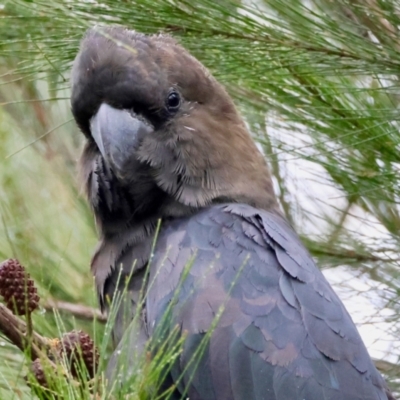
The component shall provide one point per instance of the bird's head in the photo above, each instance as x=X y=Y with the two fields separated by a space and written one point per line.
x=156 y=113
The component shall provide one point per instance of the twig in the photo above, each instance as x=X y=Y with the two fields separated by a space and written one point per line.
x=387 y=367
x=77 y=310
x=15 y=330
x=342 y=253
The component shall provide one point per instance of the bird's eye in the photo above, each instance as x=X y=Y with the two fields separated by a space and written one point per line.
x=173 y=102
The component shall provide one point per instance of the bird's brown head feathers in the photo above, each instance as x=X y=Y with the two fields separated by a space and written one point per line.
x=161 y=122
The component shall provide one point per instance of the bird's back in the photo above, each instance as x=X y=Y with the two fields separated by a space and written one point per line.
x=278 y=329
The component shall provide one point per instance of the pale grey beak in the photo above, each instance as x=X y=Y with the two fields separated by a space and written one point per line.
x=118 y=134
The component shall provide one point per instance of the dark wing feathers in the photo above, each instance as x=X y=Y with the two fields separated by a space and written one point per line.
x=283 y=334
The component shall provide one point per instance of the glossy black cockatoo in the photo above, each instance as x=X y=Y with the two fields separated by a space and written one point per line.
x=164 y=142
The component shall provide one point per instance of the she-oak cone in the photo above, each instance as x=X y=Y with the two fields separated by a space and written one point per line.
x=17 y=288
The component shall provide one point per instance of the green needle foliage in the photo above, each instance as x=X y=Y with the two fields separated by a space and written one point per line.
x=318 y=83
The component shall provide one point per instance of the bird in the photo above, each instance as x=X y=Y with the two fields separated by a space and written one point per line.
x=192 y=240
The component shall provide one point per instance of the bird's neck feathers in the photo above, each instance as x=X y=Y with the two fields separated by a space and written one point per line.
x=217 y=162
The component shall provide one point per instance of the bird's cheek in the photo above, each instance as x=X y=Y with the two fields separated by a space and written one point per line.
x=118 y=134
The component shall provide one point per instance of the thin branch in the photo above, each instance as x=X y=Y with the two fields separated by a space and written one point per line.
x=318 y=250
x=339 y=226
x=77 y=310
x=15 y=330
x=387 y=367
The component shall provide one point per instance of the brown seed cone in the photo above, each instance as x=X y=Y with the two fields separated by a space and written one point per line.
x=38 y=372
x=43 y=373
x=17 y=288
x=78 y=346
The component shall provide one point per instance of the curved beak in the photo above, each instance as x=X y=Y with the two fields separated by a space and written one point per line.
x=118 y=134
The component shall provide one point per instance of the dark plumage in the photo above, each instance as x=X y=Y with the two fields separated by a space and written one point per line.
x=164 y=141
